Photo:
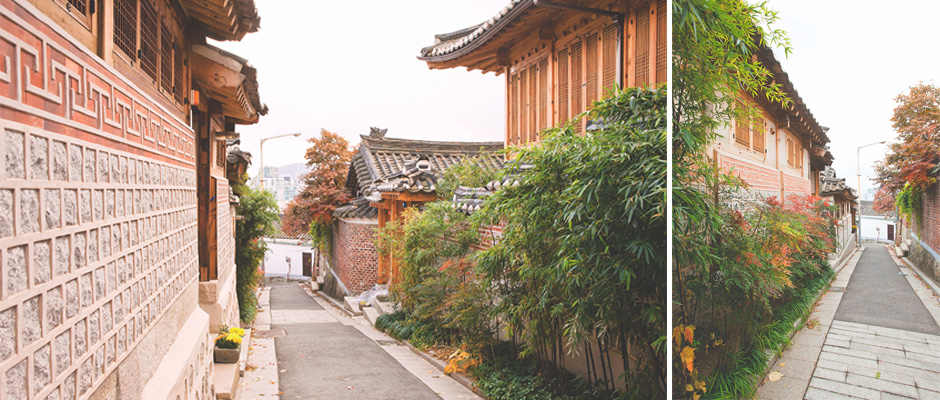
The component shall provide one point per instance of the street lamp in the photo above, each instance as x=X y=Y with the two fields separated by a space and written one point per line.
x=858 y=168
x=262 y=152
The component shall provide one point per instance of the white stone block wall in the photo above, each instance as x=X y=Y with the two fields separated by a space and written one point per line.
x=98 y=257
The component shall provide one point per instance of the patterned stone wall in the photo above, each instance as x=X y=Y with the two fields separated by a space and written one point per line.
x=97 y=212
x=225 y=229
x=355 y=258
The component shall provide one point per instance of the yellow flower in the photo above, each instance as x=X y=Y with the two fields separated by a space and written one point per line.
x=237 y=331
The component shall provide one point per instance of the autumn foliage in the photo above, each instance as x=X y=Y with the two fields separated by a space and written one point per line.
x=328 y=159
x=915 y=156
x=884 y=202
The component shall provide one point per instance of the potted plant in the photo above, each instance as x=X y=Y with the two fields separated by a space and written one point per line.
x=227 y=344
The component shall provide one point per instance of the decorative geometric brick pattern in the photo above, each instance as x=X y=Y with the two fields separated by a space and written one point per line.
x=97 y=214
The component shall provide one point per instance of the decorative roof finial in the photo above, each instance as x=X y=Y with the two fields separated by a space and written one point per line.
x=377 y=133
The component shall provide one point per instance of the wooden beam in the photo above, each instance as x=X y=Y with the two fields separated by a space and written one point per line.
x=502 y=57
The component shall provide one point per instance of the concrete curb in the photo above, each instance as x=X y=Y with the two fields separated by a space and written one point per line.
x=772 y=357
x=462 y=379
x=930 y=283
x=335 y=304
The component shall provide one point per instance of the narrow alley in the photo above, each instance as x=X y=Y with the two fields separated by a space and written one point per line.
x=873 y=335
x=322 y=353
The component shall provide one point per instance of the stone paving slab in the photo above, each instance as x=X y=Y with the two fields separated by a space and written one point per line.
x=260 y=381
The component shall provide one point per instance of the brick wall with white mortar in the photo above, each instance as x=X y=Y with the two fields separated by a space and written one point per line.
x=355 y=258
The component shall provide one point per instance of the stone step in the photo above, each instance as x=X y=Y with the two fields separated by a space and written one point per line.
x=352 y=304
x=225 y=379
x=371 y=314
x=384 y=307
x=321 y=279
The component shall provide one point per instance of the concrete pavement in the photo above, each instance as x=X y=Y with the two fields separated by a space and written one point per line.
x=886 y=356
x=323 y=354
x=879 y=295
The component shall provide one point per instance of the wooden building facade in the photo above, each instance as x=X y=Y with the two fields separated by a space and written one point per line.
x=559 y=57
x=106 y=119
x=783 y=151
x=386 y=177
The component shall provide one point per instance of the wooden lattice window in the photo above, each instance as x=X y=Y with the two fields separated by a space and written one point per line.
x=179 y=83
x=529 y=100
x=742 y=134
x=563 y=84
x=591 y=61
x=125 y=27
x=148 y=39
x=577 y=78
x=166 y=58
x=80 y=6
x=513 y=109
x=80 y=9
x=523 y=107
x=661 y=39
x=610 y=56
x=642 y=18
x=220 y=153
x=544 y=119
x=757 y=132
x=532 y=103
x=790 y=153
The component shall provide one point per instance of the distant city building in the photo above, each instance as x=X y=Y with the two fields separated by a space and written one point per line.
x=284 y=188
x=270 y=172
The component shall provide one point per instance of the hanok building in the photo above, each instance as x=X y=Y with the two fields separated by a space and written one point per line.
x=114 y=116
x=387 y=176
x=783 y=151
x=835 y=189
x=559 y=57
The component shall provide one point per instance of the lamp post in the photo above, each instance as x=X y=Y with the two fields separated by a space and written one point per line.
x=262 y=152
x=858 y=168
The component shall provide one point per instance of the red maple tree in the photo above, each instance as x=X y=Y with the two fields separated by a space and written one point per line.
x=884 y=202
x=328 y=158
x=915 y=156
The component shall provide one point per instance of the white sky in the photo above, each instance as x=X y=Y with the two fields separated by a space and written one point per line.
x=348 y=65
x=850 y=61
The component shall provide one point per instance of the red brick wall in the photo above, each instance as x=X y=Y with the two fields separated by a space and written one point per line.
x=355 y=258
x=930 y=232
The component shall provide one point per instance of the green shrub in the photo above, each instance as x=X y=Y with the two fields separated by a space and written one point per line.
x=258 y=211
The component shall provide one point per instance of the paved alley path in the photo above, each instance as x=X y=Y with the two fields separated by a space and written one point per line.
x=875 y=337
x=320 y=357
x=879 y=295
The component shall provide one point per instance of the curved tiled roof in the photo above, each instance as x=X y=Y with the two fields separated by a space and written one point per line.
x=388 y=164
x=279 y=233
x=358 y=208
x=798 y=110
x=829 y=184
x=446 y=45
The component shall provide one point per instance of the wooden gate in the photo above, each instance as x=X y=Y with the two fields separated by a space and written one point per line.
x=891 y=232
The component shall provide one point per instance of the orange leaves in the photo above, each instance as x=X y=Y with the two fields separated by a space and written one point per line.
x=460 y=361
x=684 y=336
x=687 y=354
x=688 y=357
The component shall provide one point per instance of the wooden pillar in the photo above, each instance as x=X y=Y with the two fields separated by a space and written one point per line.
x=382 y=273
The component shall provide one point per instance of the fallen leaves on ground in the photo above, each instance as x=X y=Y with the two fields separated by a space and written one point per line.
x=775 y=376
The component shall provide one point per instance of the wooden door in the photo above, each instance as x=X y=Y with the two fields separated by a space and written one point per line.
x=308 y=264
x=891 y=232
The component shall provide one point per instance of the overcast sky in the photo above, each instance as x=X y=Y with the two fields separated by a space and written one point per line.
x=347 y=65
x=850 y=61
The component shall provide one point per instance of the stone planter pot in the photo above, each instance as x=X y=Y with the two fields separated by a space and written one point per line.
x=226 y=356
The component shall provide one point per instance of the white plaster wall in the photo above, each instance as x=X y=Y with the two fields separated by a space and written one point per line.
x=274 y=260
x=871 y=226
